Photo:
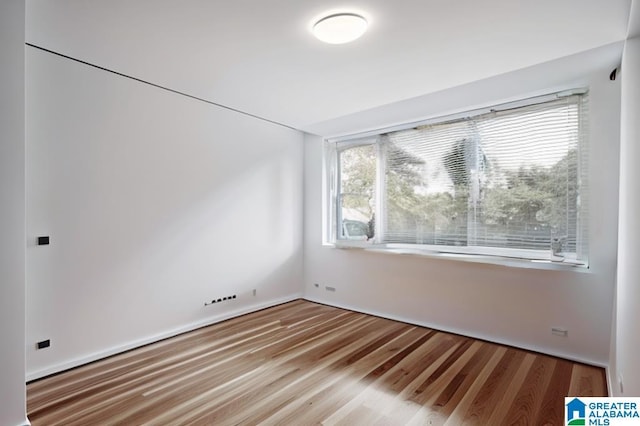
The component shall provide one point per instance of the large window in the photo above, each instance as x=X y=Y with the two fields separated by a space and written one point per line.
x=507 y=181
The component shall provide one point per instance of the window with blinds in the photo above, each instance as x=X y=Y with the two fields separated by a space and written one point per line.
x=507 y=181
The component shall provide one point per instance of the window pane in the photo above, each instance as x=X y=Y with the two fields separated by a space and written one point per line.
x=504 y=182
x=427 y=184
x=529 y=187
x=356 y=204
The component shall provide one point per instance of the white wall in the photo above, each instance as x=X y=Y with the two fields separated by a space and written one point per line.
x=12 y=222
x=516 y=306
x=625 y=363
x=155 y=203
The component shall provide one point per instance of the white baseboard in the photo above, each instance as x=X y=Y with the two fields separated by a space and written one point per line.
x=25 y=422
x=76 y=362
x=612 y=390
x=466 y=333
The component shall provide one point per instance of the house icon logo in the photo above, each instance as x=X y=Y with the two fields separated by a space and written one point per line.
x=576 y=412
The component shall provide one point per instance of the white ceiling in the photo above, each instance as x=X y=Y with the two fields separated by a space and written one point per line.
x=258 y=56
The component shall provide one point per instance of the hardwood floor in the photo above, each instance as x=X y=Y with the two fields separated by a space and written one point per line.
x=303 y=363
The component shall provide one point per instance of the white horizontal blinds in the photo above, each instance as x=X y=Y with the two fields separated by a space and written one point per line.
x=426 y=197
x=508 y=179
x=357 y=190
x=582 y=234
x=529 y=190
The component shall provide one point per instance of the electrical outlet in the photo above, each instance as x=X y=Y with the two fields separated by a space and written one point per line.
x=329 y=288
x=220 y=299
x=559 y=331
x=254 y=291
x=43 y=344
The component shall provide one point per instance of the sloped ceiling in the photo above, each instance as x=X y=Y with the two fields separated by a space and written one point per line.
x=258 y=56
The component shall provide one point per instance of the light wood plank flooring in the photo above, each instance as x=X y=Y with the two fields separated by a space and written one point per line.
x=303 y=363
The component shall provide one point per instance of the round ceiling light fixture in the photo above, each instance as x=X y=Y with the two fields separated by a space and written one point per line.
x=340 y=28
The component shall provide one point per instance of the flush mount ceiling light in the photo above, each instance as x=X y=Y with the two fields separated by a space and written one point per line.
x=340 y=28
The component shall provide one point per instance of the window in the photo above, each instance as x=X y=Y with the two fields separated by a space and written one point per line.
x=507 y=181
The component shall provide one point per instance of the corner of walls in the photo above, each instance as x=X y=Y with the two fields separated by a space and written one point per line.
x=625 y=371
x=12 y=225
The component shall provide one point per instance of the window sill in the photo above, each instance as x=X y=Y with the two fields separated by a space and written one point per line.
x=560 y=265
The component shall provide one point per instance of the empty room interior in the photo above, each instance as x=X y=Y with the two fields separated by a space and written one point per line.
x=215 y=213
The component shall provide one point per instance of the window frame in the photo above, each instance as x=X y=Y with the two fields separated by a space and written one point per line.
x=484 y=254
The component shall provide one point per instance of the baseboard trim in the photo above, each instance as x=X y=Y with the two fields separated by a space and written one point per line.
x=439 y=327
x=610 y=383
x=25 y=422
x=77 y=362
